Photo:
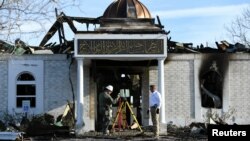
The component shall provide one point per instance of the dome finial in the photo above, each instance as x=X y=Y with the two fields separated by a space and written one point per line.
x=127 y=9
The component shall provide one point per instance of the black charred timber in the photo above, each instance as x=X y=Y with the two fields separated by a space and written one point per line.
x=48 y=130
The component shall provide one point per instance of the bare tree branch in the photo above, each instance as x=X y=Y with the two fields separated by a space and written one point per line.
x=1 y=4
x=240 y=28
x=16 y=14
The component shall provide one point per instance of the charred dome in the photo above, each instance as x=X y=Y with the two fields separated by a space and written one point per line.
x=128 y=16
x=127 y=9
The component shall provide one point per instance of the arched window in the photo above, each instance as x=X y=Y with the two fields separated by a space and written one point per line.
x=25 y=77
x=25 y=90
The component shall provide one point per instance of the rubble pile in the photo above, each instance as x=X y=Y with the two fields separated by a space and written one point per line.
x=2 y=126
x=223 y=47
x=44 y=125
x=194 y=131
x=20 y=48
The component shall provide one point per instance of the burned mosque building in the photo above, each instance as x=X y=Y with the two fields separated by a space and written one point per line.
x=129 y=50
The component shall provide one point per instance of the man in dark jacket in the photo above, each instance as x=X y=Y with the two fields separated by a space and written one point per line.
x=105 y=107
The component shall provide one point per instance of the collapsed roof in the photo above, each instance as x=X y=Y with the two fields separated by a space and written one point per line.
x=223 y=47
x=121 y=16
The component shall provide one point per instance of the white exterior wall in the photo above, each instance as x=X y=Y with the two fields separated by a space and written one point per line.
x=35 y=68
x=57 y=88
x=179 y=89
x=56 y=85
x=183 y=103
x=239 y=90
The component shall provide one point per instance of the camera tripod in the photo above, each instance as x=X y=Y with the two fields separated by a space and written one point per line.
x=123 y=105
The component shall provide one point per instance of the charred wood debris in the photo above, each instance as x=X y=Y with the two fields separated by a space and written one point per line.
x=67 y=46
x=24 y=127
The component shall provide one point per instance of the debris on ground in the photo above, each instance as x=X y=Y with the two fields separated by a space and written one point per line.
x=2 y=126
x=40 y=125
x=193 y=131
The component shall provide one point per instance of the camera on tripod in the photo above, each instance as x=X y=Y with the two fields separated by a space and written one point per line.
x=124 y=93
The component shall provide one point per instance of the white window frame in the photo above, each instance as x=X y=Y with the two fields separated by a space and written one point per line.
x=35 y=68
x=22 y=82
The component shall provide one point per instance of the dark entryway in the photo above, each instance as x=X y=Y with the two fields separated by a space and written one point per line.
x=120 y=77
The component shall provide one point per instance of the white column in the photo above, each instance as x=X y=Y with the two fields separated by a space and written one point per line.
x=161 y=88
x=80 y=90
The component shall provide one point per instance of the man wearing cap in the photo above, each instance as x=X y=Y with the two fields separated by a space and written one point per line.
x=155 y=104
x=105 y=107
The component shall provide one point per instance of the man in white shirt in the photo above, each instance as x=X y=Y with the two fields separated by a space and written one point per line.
x=155 y=104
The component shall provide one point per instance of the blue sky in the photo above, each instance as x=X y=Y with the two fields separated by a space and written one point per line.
x=195 y=21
